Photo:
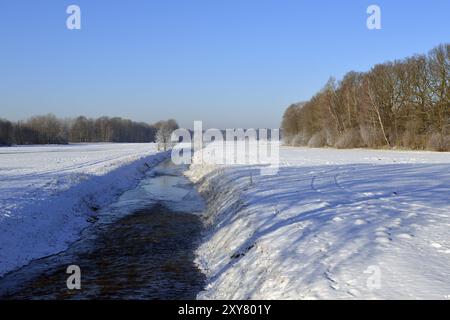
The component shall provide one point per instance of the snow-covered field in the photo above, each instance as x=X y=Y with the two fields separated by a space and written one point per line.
x=48 y=194
x=332 y=224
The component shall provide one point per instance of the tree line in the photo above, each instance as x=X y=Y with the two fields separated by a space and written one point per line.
x=399 y=104
x=49 y=129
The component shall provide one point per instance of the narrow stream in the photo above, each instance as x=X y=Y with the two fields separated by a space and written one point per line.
x=141 y=247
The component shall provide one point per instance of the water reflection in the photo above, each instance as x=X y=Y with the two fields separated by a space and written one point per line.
x=142 y=247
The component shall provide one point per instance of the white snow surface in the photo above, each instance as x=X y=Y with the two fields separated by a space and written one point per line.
x=48 y=193
x=332 y=224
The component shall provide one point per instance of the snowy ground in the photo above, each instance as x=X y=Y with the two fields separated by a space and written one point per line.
x=48 y=194
x=332 y=224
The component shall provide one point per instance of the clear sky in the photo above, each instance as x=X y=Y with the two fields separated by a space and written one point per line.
x=230 y=63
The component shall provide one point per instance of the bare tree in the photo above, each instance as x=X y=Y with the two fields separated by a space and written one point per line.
x=163 y=135
x=6 y=132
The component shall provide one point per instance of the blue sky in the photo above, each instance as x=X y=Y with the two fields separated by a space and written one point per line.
x=230 y=63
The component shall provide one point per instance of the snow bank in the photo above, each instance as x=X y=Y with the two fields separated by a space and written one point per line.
x=332 y=224
x=48 y=194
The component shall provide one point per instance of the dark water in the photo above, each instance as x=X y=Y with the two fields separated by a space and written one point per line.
x=142 y=247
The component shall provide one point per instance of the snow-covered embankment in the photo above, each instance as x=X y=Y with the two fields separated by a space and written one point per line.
x=331 y=224
x=48 y=194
